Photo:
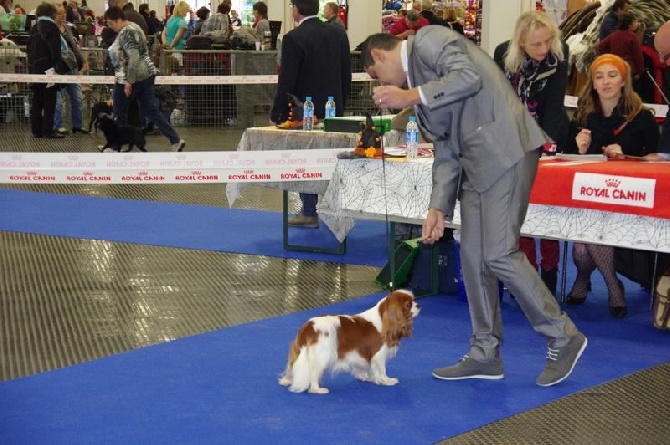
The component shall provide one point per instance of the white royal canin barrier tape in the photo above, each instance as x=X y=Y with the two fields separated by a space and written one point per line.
x=160 y=80
x=169 y=168
x=569 y=101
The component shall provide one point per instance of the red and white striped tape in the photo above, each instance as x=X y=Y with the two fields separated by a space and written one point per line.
x=160 y=80
x=569 y=101
x=169 y=168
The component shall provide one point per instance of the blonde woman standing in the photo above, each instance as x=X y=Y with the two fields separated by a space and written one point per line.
x=174 y=33
x=535 y=61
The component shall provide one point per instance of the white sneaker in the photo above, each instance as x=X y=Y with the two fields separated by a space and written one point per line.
x=109 y=150
x=179 y=146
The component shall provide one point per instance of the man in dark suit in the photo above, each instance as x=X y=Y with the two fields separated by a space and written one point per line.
x=314 y=62
x=486 y=140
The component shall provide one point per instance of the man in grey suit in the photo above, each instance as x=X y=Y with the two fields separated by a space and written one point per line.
x=485 y=141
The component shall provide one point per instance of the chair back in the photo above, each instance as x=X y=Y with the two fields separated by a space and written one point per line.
x=275 y=28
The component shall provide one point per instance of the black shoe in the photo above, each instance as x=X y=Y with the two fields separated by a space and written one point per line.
x=619 y=311
x=574 y=301
x=54 y=136
x=80 y=130
x=37 y=136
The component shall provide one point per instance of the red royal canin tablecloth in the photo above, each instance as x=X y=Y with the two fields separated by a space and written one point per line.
x=627 y=186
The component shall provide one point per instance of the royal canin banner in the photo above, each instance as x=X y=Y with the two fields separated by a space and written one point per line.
x=627 y=186
x=259 y=79
x=169 y=168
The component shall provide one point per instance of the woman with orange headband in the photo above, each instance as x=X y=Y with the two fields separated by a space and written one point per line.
x=610 y=120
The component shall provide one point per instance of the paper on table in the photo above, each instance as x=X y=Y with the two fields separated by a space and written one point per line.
x=394 y=151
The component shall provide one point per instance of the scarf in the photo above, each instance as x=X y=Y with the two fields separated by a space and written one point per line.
x=531 y=79
x=64 y=48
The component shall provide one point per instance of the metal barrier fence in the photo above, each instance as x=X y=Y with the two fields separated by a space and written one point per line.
x=189 y=101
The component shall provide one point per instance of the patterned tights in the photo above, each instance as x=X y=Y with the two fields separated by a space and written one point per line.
x=587 y=258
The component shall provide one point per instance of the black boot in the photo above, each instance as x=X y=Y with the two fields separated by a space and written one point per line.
x=550 y=277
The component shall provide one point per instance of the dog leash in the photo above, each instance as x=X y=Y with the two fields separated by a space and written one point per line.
x=389 y=236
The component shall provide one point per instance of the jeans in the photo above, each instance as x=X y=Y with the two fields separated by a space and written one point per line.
x=76 y=102
x=309 y=204
x=144 y=91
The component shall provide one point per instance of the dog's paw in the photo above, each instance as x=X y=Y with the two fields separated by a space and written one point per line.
x=362 y=376
x=318 y=390
x=387 y=381
x=285 y=381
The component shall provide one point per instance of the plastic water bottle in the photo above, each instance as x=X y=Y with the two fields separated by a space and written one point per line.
x=308 y=114
x=330 y=107
x=412 y=139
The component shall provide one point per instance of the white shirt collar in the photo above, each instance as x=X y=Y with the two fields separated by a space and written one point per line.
x=403 y=57
x=306 y=18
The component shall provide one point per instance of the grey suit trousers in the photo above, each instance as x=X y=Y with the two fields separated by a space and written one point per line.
x=490 y=226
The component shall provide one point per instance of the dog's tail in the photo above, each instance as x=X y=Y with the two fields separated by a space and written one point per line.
x=293 y=352
x=310 y=354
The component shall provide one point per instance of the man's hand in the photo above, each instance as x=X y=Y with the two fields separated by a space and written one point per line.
x=433 y=226
x=127 y=89
x=389 y=96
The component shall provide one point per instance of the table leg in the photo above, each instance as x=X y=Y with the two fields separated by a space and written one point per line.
x=340 y=250
x=654 y=277
x=564 y=263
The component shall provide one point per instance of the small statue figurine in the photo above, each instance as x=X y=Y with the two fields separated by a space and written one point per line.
x=369 y=141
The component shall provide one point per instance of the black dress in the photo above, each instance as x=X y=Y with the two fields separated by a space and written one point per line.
x=43 y=52
x=636 y=137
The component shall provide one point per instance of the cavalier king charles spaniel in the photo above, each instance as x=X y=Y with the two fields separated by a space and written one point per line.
x=360 y=344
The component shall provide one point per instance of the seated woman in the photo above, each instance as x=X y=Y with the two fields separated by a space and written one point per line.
x=610 y=120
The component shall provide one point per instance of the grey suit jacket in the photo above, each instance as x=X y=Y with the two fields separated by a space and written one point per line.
x=475 y=119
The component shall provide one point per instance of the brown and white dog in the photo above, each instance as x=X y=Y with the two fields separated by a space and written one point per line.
x=360 y=344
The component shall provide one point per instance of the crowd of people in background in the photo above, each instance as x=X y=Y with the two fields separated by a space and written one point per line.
x=149 y=36
x=401 y=21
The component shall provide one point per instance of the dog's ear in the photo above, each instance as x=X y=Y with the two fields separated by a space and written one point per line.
x=396 y=317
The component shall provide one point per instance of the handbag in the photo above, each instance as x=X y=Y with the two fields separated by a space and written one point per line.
x=436 y=267
x=403 y=259
x=661 y=310
x=69 y=62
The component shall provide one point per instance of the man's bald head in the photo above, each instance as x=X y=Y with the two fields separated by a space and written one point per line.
x=662 y=41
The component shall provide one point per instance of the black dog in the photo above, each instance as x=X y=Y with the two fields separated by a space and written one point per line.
x=98 y=108
x=119 y=135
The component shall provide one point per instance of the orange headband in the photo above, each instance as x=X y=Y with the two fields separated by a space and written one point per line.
x=610 y=59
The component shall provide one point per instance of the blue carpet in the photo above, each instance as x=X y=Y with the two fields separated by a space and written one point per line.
x=221 y=387
x=181 y=225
